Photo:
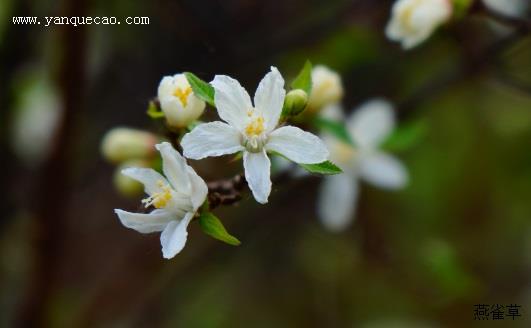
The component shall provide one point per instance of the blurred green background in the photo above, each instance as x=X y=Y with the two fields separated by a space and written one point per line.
x=459 y=235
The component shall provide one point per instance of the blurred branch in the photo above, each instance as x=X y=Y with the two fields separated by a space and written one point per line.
x=51 y=194
x=513 y=21
x=471 y=66
x=11 y=58
x=513 y=82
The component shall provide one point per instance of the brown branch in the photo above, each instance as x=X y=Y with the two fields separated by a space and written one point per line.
x=229 y=191
x=226 y=191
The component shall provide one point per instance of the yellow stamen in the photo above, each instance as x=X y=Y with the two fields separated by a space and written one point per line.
x=182 y=94
x=255 y=127
x=159 y=199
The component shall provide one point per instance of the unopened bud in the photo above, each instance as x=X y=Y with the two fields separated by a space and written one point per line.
x=295 y=102
x=121 y=144
x=125 y=185
x=178 y=101
x=327 y=88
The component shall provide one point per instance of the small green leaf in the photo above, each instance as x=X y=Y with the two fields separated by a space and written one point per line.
x=325 y=168
x=237 y=157
x=154 y=111
x=405 y=136
x=335 y=128
x=304 y=79
x=201 y=89
x=461 y=7
x=213 y=227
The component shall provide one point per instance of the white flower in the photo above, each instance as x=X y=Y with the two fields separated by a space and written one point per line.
x=327 y=88
x=413 y=21
x=515 y=8
x=253 y=130
x=178 y=102
x=368 y=127
x=176 y=198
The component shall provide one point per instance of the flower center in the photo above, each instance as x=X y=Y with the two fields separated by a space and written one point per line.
x=343 y=153
x=255 y=127
x=159 y=199
x=182 y=94
x=254 y=131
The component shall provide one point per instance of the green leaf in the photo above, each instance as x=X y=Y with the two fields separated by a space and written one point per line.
x=201 y=89
x=237 y=157
x=213 y=227
x=461 y=7
x=304 y=79
x=154 y=111
x=405 y=136
x=325 y=168
x=335 y=128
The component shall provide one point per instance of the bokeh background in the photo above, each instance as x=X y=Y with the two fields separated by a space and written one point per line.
x=458 y=235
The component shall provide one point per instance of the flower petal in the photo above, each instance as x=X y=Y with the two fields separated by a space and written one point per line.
x=211 y=139
x=333 y=112
x=372 y=123
x=257 y=173
x=232 y=101
x=148 y=177
x=179 y=204
x=166 y=87
x=174 y=167
x=199 y=189
x=269 y=98
x=173 y=238
x=383 y=170
x=145 y=222
x=297 y=145
x=337 y=201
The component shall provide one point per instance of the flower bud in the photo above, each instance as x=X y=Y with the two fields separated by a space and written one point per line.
x=327 y=88
x=121 y=144
x=413 y=21
x=125 y=185
x=295 y=102
x=178 y=102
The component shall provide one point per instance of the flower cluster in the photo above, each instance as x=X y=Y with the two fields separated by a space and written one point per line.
x=256 y=130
